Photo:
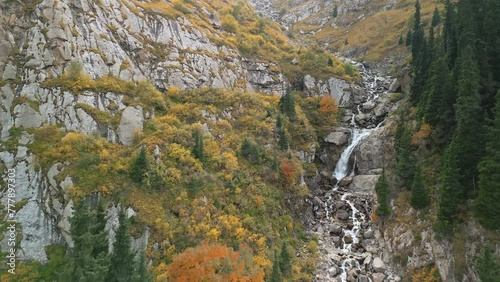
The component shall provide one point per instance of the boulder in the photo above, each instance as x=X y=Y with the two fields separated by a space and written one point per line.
x=345 y=181
x=130 y=124
x=342 y=215
x=27 y=117
x=378 y=277
x=369 y=105
x=335 y=230
x=337 y=138
x=395 y=86
x=369 y=154
x=378 y=265
x=368 y=234
x=348 y=239
x=363 y=278
x=364 y=183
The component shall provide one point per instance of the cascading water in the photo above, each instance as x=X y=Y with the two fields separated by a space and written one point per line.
x=358 y=135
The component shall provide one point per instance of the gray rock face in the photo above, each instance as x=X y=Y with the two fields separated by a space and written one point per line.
x=369 y=154
x=26 y=116
x=364 y=183
x=339 y=137
x=378 y=277
x=130 y=124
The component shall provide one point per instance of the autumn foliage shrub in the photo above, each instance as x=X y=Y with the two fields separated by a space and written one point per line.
x=212 y=263
x=287 y=173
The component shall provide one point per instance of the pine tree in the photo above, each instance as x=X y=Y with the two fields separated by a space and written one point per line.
x=488 y=200
x=450 y=192
x=198 y=148
x=409 y=36
x=436 y=18
x=122 y=259
x=383 y=196
x=419 y=192
x=488 y=267
x=420 y=57
x=141 y=274
x=287 y=104
x=139 y=166
x=276 y=273
x=335 y=11
x=85 y=263
x=284 y=262
x=401 y=40
x=283 y=140
x=405 y=161
x=449 y=34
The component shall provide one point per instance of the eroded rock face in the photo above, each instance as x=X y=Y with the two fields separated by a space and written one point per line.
x=130 y=125
x=369 y=154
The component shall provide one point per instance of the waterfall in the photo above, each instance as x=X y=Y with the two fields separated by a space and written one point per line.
x=341 y=168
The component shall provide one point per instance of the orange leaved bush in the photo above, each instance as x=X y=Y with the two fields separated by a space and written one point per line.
x=213 y=263
x=287 y=173
x=327 y=104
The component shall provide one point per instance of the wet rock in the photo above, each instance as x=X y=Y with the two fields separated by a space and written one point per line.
x=345 y=181
x=348 y=239
x=342 y=215
x=395 y=86
x=369 y=105
x=338 y=138
x=335 y=229
x=332 y=271
x=336 y=240
x=363 y=278
x=364 y=183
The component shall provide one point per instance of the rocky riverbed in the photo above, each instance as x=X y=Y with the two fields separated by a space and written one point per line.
x=349 y=242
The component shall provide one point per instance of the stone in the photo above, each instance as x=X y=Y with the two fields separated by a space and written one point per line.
x=335 y=229
x=395 y=86
x=27 y=117
x=369 y=105
x=332 y=271
x=337 y=138
x=345 y=181
x=336 y=240
x=368 y=234
x=378 y=265
x=364 y=183
x=131 y=123
x=342 y=215
x=363 y=278
x=378 y=277
x=10 y=72
x=348 y=239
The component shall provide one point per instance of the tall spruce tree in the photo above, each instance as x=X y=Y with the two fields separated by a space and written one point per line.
x=436 y=18
x=86 y=263
x=276 y=272
x=420 y=57
x=198 y=148
x=488 y=200
x=285 y=261
x=419 y=192
x=488 y=266
x=405 y=161
x=383 y=196
x=122 y=265
x=287 y=104
x=139 y=166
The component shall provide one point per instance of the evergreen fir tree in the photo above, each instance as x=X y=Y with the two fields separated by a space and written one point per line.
x=436 y=18
x=276 y=273
x=409 y=37
x=283 y=140
x=141 y=274
x=287 y=104
x=488 y=267
x=449 y=34
x=419 y=192
x=450 y=192
x=401 y=40
x=335 y=11
x=122 y=264
x=383 y=196
x=284 y=262
x=83 y=265
x=139 y=166
x=198 y=148
x=405 y=161
x=488 y=200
